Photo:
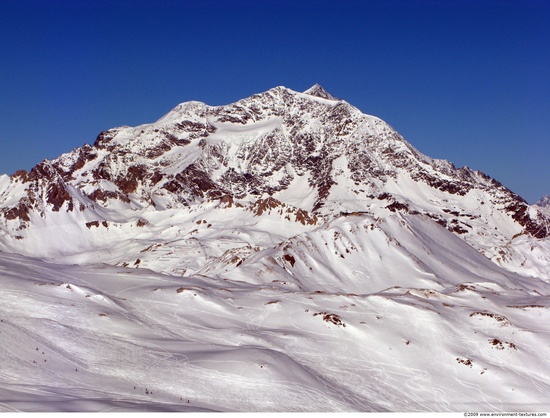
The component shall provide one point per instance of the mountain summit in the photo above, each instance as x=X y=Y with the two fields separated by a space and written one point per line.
x=544 y=202
x=318 y=91
x=312 y=160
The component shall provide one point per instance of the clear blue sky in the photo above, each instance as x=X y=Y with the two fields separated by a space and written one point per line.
x=467 y=81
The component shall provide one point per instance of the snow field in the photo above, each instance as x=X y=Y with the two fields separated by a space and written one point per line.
x=236 y=344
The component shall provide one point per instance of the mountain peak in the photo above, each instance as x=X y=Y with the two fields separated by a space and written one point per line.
x=544 y=202
x=319 y=91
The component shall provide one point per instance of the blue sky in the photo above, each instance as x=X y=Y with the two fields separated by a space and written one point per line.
x=467 y=81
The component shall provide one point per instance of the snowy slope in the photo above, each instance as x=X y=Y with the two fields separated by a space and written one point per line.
x=106 y=338
x=223 y=255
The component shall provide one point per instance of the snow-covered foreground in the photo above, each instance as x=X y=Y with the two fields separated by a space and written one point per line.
x=104 y=338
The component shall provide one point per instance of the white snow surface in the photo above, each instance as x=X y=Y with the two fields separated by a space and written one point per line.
x=414 y=320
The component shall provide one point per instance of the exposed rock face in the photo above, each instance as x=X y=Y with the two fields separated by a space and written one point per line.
x=317 y=156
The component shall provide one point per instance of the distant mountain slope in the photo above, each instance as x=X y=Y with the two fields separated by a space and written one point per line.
x=544 y=205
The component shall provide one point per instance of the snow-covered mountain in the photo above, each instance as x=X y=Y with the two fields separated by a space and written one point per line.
x=318 y=156
x=268 y=235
